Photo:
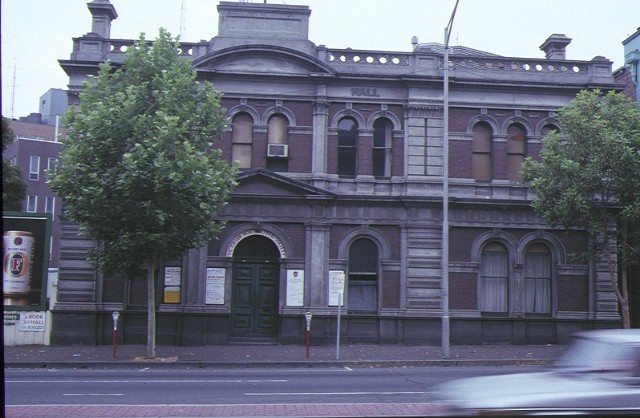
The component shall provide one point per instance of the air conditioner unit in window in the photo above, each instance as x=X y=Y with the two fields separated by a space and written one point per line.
x=277 y=150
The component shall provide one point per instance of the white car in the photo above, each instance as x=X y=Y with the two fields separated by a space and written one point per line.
x=599 y=374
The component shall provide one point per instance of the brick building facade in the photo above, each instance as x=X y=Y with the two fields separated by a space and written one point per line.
x=341 y=157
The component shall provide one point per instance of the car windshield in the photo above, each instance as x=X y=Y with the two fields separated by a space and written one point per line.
x=601 y=356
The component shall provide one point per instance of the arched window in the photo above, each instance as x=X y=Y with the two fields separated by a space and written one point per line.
x=494 y=279
x=537 y=279
x=362 y=290
x=516 y=145
x=242 y=138
x=546 y=129
x=278 y=143
x=381 y=152
x=481 y=149
x=347 y=146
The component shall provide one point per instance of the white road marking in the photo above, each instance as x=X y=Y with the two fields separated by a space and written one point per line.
x=152 y=381
x=330 y=393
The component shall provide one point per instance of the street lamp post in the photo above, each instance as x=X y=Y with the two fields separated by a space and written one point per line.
x=445 y=192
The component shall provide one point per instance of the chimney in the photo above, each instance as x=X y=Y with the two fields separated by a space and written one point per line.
x=554 y=46
x=103 y=13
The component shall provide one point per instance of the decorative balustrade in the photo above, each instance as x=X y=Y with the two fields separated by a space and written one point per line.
x=120 y=46
x=518 y=65
x=523 y=65
x=368 y=57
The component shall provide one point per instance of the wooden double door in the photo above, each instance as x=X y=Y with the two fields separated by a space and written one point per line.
x=254 y=310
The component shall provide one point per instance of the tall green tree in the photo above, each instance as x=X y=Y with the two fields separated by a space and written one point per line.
x=138 y=172
x=588 y=177
x=13 y=186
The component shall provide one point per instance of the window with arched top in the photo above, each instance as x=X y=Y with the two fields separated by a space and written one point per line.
x=482 y=148
x=537 y=279
x=381 y=151
x=242 y=140
x=494 y=279
x=278 y=143
x=362 y=284
x=347 y=146
x=548 y=128
x=516 y=146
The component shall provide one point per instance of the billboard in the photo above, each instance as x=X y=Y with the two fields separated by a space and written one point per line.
x=25 y=260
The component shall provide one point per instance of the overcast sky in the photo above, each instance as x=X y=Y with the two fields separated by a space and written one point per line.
x=37 y=33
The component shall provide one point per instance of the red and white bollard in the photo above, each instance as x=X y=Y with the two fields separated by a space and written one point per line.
x=307 y=316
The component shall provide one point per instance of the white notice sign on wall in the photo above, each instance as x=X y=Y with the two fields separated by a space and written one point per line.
x=214 y=293
x=32 y=321
x=336 y=287
x=295 y=287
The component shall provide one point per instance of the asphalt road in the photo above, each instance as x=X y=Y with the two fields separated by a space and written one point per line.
x=232 y=386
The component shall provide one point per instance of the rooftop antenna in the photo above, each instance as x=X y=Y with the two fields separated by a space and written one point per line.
x=183 y=19
x=13 y=89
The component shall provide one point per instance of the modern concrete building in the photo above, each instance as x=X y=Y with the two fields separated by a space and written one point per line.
x=341 y=153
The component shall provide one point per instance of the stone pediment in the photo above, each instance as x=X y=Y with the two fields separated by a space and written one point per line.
x=257 y=59
x=263 y=183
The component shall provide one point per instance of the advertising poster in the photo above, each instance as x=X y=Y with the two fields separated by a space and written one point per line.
x=25 y=260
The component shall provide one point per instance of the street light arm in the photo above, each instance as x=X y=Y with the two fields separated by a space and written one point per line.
x=450 y=25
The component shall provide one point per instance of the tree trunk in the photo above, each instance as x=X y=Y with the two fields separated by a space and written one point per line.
x=151 y=309
x=624 y=278
x=621 y=297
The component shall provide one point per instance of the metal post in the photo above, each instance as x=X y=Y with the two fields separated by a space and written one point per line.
x=445 y=204
x=115 y=315
x=338 y=326
x=445 y=192
x=308 y=319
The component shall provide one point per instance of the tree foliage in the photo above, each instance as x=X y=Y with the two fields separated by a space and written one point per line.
x=13 y=186
x=588 y=176
x=138 y=172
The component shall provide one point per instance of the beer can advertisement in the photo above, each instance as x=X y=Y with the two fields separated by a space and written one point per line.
x=25 y=260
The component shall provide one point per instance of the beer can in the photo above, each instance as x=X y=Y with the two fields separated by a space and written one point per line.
x=17 y=255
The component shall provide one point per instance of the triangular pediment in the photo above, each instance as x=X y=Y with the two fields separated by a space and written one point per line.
x=261 y=59
x=262 y=183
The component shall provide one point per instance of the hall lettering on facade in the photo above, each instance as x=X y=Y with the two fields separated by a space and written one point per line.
x=364 y=91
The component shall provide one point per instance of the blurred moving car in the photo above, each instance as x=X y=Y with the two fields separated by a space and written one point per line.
x=599 y=374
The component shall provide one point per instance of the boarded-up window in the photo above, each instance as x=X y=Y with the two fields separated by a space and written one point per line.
x=242 y=140
x=516 y=144
x=481 y=152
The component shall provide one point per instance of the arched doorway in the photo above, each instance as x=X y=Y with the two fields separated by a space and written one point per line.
x=254 y=304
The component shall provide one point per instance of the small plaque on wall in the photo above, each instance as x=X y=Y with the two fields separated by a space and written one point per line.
x=172 y=294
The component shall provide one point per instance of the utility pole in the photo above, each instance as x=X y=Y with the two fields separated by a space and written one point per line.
x=445 y=192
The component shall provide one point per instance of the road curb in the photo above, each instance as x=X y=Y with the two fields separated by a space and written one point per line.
x=195 y=364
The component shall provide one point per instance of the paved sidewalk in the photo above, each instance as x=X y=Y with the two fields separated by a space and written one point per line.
x=132 y=356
